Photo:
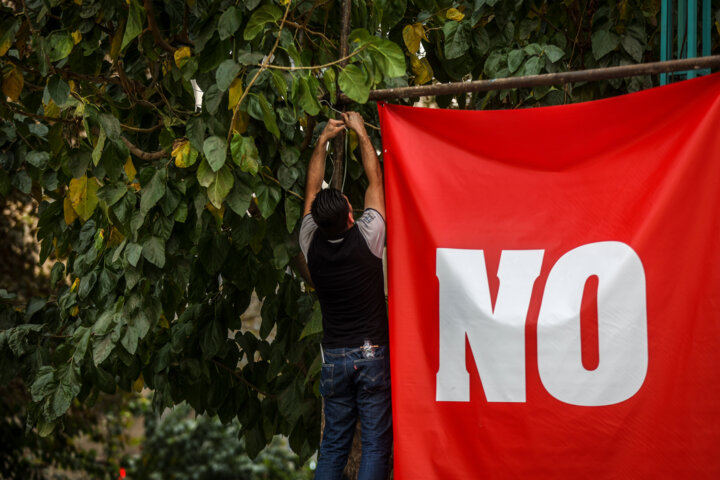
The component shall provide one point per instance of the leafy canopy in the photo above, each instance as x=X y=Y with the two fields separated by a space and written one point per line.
x=161 y=219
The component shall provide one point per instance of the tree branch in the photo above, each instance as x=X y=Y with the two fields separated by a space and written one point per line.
x=154 y=28
x=262 y=67
x=142 y=154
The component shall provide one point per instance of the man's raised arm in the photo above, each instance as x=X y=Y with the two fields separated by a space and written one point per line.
x=316 y=168
x=375 y=193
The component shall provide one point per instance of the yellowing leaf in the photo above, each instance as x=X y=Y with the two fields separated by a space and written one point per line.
x=68 y=211
x=184 y=155
x=130 y=169
x=51 y=110
x=83 y=195
x=117 y=41
x=412 y=34
x=216 y=212
x=454 y=14
x=422 y=70
x=241 y=122
x=116 y=238
x=12 y=84
x=78 y=2
x=353 y=140
x=76 y=36
x=234 y=93
x=138 y=384
x=182 y=55
x=75 y=285
x=74 y=312
x=5 y=46
x=163 y=321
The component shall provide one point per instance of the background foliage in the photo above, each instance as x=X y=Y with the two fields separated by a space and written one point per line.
x=160 y=219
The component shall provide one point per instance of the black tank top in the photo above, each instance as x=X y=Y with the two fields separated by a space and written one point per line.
x=348 y=279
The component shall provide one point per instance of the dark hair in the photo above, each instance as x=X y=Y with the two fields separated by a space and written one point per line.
x=330 y=211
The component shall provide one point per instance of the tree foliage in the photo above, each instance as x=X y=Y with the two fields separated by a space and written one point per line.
x=161 y=219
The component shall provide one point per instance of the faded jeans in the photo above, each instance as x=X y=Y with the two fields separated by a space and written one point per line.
x=352 y=387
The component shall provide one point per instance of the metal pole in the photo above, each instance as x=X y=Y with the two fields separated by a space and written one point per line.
x=692 y=21
x=666 y=35
x=547 y=79
x=339 y=142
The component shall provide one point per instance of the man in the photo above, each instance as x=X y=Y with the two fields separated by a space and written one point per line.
x=345 y=262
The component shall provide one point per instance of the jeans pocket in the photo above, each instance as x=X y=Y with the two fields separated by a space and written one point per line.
x=326 y=379
x=372 y=373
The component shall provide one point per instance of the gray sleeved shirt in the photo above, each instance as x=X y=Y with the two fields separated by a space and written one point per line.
x=371 y=225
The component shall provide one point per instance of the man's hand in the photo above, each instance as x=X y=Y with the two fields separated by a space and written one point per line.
x=332 y=129
x=355 y=121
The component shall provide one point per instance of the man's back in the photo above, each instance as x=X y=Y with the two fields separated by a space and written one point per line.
x=348 y=276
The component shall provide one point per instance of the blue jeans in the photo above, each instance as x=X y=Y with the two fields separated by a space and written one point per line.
x=354 y=386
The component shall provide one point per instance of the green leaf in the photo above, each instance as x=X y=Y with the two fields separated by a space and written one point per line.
x=212 y=98
x=314 y=326
x=58 y=90
x=154 y=251
x=226 y=73
x=515 y=59
x=43 y=383
x=279 y=83
x=353 y=81
x=307 y=98
x=99 y=147
x=268 y=116
x=633 y=47
x=229 y=22
x=389 y=57
x=261 y=16
x=268 y=196
x=221 y=186
x=61 y=44
x=329 y=79
x=553 y=53
x=534 y=66
x=111 y=193
x=389 y=12
x=38 y=159
x=130 y=339
x=132 y=253
x=293 y=211
x=240 y=197
x=102 y=348
x=205 y=174
x=604 y=42
x=134 y=25
x=111 y=126
x=213 y=338
x=287 y=176
x=457 y=38
x=153 y=191
x=195 y=132
x=215 y=150
x=245 y=154
x=289 y=155
x=87 y=283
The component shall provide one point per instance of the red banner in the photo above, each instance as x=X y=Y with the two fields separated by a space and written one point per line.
x=554 y=279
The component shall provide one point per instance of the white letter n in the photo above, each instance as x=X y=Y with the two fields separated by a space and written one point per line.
x=496 y=336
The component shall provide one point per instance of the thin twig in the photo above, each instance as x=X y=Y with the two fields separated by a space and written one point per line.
x=262 y=68
x=315 y=67
x=241 y=378
x=270 y=177
x=154 y=28
x=303 y=27
x=141 y=130
x=34 y=115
